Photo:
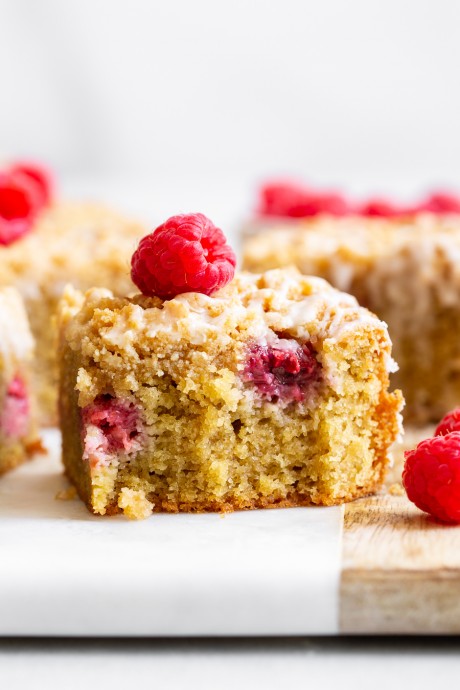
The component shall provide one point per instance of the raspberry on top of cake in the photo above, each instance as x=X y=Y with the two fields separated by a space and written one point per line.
x=25 y=190
x=261 y=390
x=287 y=199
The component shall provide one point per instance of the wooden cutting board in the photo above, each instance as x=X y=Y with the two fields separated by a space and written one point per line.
x=400 y=568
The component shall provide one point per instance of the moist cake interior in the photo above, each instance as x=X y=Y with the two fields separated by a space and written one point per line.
x=227 y=402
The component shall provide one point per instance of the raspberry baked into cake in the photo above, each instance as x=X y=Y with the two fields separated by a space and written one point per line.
x=46 y=244
x=210 y=392
x=18 y=432
x=400 y=262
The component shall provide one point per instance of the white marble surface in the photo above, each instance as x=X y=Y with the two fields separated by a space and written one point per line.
x=66 y=572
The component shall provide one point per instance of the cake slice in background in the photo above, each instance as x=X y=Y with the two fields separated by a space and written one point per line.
x=271 y=390
x=18 y=425
x=401 y=262
x=46 y=244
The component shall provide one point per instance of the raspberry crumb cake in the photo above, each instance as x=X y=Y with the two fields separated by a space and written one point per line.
x=400 y=262
x=210 y=392
x=46 y=244
x=18 y=434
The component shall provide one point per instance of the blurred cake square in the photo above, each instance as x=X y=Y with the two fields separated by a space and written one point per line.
x=81 y=244
x=401 y=263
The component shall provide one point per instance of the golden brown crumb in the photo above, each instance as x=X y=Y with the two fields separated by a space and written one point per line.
x=134 y=504
x=396 y=489
x=66 y=494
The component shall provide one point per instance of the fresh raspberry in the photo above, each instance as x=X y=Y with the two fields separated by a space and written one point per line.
x=39 y=176
x=449 y=423
x=431 y=476
x=441 y=203
x=19 y=203
x=380 y=208
x=282 y=373
x=187 y=253
x=294 y=201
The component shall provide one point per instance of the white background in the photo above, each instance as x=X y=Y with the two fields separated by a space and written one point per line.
x=178 y=105
x=356 y=93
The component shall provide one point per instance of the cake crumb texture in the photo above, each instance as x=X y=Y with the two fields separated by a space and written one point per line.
x=134 y=504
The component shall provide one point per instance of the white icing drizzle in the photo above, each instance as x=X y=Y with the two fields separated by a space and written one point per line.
x=278 y=301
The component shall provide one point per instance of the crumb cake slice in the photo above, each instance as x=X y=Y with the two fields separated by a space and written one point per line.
x=82 y=244
x=273 y=391
x=18 y=433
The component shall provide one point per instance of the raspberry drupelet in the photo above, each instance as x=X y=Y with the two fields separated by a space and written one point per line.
x=270 y=391
x=450 y=422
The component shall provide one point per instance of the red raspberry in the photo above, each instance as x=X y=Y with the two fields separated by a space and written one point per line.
x=449 y=423
x=19 y=203
x=294 y=201
x=187 y=253
x=431 y=476
x=440 y=203
x=379 y=208
x=118 y=420
x=38 y=176
x=282 y=374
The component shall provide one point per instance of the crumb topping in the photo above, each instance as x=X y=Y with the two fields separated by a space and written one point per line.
x=255 y=306
x=360 y=237
x=59 y=244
